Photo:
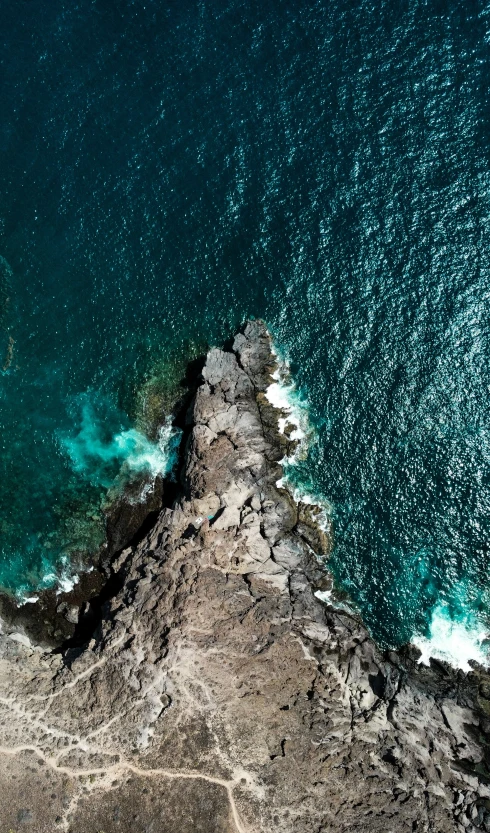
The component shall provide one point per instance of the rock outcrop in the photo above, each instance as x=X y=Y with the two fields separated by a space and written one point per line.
x=217 y=694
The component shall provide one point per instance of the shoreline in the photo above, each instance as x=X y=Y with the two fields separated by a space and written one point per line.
x=54 y=620
x=60 y=619
x=213 y=691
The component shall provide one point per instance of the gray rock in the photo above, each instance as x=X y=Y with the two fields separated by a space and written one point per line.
x=217 y=693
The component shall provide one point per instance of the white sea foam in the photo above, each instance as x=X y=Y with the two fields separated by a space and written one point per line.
x=326 y=509
x=105 y=460
x=328 y=598
x=283 y=395
x=66 y=582
x=453 y=642
x=97 y=457
x=141 y=455
x=64 y=579
x=155 y=459
x=23 y=597
x=324 y=595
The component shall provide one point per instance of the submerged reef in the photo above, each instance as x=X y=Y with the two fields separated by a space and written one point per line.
x=212 y=691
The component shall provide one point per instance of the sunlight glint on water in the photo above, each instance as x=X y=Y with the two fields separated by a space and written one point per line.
x=168 y=170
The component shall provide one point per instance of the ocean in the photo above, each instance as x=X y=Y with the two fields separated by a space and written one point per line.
x=168 y=170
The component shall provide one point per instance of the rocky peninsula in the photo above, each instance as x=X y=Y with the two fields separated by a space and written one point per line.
x=216 y=693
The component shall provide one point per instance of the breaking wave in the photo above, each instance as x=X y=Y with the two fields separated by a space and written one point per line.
x=455 y=634
x=295 y=424
x=455 y=642
x=101 y=453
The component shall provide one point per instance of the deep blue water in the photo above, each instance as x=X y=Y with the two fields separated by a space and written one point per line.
x=169 y=169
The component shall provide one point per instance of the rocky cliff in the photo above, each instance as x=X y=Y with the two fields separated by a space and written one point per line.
x=217 y=693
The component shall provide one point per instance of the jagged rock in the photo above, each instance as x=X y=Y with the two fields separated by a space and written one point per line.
x=309 y=528
x=127 y=512
x=217 y=694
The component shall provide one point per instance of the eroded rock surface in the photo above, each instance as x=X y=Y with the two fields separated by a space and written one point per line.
x=218 y=694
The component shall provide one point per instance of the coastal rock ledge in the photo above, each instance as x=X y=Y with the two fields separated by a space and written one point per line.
x=217 y=694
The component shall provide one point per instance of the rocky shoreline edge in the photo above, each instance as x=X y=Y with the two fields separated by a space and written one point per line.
x=214 y=692
x=57 y=618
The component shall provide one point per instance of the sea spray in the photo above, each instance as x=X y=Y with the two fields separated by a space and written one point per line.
x=295 y=424
x=109 y=463
x=101 y=453
x=453 y=635
x=111 y=456
x=455 y=640
x=283 y=395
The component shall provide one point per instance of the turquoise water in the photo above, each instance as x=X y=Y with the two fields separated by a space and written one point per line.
x=167 y=171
